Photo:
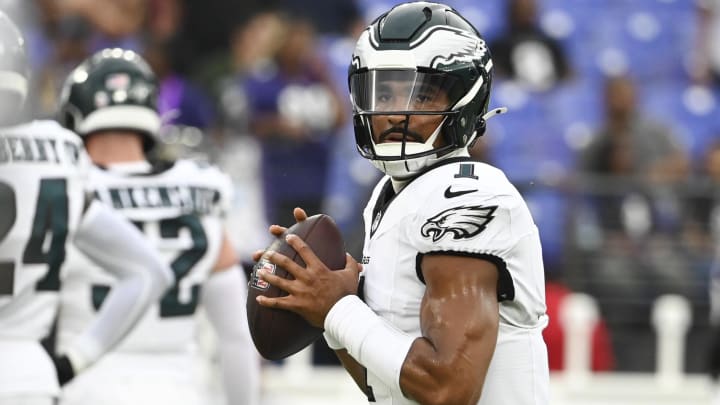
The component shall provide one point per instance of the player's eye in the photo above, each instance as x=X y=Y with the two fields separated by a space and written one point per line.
x=423 y=98
x=383 y=98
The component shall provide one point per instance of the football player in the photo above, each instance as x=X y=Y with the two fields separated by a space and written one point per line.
x=452 y=305
x=110 y=100
x=43 y=207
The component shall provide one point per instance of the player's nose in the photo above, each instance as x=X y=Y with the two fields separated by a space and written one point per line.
x=396 y=119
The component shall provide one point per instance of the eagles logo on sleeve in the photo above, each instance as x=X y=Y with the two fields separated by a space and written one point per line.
x=462 y=222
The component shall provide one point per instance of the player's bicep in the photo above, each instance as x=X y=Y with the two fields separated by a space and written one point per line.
x=459 y=323
x=460 y=303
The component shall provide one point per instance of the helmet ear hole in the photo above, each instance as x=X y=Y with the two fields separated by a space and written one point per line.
x=70 y=117
x=480 y=126
x=69 y=121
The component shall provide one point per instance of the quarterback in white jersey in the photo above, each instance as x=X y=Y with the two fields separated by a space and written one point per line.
x=180 y=206
x=450 y=307
x=45 y=207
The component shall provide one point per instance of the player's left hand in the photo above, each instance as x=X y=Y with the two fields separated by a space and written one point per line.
x=315 y=288
x=278 y=230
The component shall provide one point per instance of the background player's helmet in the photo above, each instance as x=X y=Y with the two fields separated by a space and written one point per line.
x=431 y=46
x=113 y=89
x=14 y=70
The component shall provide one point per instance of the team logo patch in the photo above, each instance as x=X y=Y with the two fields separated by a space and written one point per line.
x=462 y=222
x=117 y=81
x=256 y=281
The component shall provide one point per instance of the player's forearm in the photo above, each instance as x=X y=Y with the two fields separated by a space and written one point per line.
x=439 y=372
x=224 y=297
x=368 y=338
x=355 y=369
x=142 y=278
x=430 y=377
x=124 y=306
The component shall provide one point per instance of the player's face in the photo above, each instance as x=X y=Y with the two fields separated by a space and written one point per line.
x=392 y=96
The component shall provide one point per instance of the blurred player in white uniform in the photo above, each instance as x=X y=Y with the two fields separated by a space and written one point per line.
x=452 y=304
x=110 y=100
x=43 y=207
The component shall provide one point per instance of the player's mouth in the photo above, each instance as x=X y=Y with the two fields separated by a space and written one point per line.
x=397 y=134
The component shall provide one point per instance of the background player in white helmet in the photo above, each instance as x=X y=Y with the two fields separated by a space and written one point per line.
x=452 y=304
x=44 y=206
x=110 y=100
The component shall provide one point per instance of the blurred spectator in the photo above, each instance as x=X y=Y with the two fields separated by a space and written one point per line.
x=644 y=161
x=204 y=35
x=115 y=23
x=187 y=112
x=634 y=166
x=164 y=19
x=527 y=54
x=330 y=17
x=630 y=143
x=114 y=18
x=294 y=111
x=252 y=47
x=706 y=66
x=709 y=221
x=67 y=39
x=602 y=357
x=703 y=210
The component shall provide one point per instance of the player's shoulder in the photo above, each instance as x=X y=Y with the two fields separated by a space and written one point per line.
x=461 y=176
x=43 y=128
x=462 y=188
x=198 y=169
x=200 y=173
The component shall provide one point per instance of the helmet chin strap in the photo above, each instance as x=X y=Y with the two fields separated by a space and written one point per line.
x=494 y=112
x=482 y=122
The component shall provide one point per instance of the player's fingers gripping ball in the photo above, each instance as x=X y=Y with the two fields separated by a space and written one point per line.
x=278 y=333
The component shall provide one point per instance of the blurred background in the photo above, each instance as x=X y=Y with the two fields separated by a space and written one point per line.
x=612 y=135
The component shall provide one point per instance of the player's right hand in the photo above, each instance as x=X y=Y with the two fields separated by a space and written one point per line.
x=278 y=230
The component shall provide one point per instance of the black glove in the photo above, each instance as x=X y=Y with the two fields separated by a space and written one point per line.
x=64 y=369
x=714 y=355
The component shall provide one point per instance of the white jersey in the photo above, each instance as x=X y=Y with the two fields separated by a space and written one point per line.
x=464 y=208
x=42 y=170
x=180 y=209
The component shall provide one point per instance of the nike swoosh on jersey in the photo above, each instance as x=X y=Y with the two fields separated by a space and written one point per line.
x=450 y=194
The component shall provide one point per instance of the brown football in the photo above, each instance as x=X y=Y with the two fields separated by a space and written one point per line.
x=277 y=333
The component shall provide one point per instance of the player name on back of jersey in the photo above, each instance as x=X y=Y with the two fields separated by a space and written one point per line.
x=37 y=149
x=188 y=199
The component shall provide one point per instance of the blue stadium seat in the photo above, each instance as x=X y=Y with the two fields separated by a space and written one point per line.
x=550 y=211
x=693 y=112
x=487 y=16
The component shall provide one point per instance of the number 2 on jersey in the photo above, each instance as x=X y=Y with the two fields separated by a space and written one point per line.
x=171 y=303
x=51 y=220
x=178 y=301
